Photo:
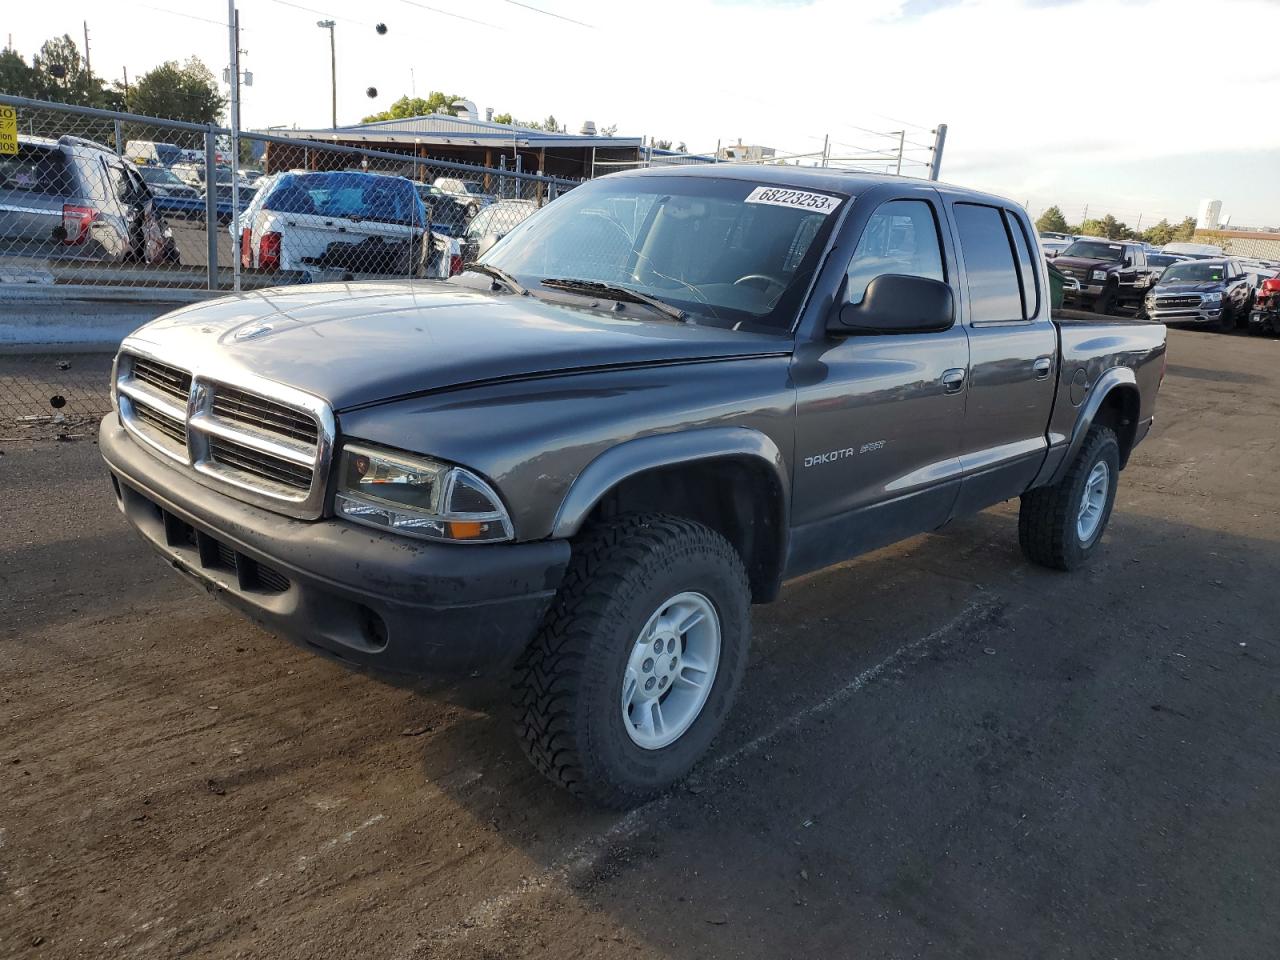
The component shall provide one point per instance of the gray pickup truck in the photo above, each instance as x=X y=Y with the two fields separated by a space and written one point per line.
x=641 y=411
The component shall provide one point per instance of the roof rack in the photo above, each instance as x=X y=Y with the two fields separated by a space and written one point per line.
x=66 y=140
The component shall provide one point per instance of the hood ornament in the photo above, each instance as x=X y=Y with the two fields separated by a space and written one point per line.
x=253 y=332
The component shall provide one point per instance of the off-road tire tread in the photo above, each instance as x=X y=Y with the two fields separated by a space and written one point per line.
x=549 y=674
x=1046 y=515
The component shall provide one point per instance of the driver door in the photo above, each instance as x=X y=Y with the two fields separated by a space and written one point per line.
x=880 y=415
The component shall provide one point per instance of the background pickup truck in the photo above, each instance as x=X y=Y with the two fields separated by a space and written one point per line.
x=1112 y=274
x=647 y=406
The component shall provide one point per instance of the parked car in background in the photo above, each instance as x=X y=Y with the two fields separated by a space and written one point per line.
x=1055 y=236
x=150 y=153
x=1052 y=247
x=340 y=224
x=492 y=224
x=1112 y=273
x=447 y=213
x=469 y=192
x=173 y=197
x=1265 y=315
x=194 y=174
x=74 y=199
x=1216 y=292
x=1158 y=261
x=577 y=465
x=1194 y=251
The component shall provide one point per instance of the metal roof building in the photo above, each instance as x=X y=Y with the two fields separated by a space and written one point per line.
x=462 y=140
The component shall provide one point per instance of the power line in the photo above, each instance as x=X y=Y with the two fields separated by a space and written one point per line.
x=188 y=16
x=321 y=13
x=548 y=13
x=456 y=16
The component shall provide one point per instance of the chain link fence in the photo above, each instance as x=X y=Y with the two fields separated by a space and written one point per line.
x=100 y=208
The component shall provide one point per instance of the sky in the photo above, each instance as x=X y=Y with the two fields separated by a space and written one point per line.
x=1138 y=109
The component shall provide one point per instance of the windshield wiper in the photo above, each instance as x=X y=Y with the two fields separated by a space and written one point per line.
x=613 y=291
x=497 y=273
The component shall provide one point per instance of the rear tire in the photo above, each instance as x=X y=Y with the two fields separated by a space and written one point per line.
x=1061 y=526
x=573 y=714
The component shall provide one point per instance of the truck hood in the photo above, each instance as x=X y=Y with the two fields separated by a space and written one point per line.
x=362 y=343
x=1083 y=263
x=1187 y=286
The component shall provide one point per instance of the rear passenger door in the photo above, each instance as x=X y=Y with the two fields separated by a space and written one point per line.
x=1013 y=350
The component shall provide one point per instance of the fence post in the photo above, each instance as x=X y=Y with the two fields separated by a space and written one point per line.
x=211 y=205
x=119 y=134
x=939 y=141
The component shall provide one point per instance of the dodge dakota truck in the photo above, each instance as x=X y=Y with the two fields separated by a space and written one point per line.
x=640 y=412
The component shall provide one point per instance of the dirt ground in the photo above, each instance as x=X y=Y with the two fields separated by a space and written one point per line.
x=939 y=750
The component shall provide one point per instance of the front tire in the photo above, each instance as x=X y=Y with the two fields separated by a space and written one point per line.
x=1106 y=301
x=600 y=710
x=1061 y=526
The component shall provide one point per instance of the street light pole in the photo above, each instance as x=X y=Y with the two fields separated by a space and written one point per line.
x=333 y=66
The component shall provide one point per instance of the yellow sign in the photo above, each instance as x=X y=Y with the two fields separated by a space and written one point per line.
x=8 y=130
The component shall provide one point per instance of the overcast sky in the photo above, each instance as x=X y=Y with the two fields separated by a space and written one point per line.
x=1138 y=108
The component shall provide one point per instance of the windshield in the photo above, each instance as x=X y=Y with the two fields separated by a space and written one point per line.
x=1160 y=259
x=726 y=252
x=1094 y=250
x=160 y=176
x=352 y=196
x=1194 y=273
x=472 y=187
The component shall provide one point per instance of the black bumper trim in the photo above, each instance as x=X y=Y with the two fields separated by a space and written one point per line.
x=370 y=599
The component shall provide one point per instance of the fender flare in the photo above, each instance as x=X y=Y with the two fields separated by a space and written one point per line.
x=1116 y=378
x=634 y=457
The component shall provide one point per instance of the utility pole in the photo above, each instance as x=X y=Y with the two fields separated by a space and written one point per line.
x=211 y=176
x=126 y=85
x=939 y=141
x=87 y=68
x=902 y=141
x=333 y=66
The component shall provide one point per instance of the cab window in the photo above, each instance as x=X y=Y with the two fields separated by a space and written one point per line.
x=900 y=237
x=994 y=292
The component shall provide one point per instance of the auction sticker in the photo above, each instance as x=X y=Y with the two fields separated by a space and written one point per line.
x=8 y=130
x=799 y=199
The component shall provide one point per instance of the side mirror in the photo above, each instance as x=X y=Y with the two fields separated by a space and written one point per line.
x=1127 y=262
x=895 y=303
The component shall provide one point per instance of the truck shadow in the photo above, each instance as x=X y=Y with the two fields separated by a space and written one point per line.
x=943 y=800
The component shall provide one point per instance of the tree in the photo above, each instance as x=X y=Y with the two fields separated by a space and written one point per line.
x=1185 y=230
x=187 y=92
x=58 y=73
x=1160 y=234
x=503 y=118
x=17 y=77
x=417 y=107
x=1053 y=221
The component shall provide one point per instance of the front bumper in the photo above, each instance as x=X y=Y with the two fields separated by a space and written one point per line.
x=1205 y=313
x=373 y=600
x=1086 y=291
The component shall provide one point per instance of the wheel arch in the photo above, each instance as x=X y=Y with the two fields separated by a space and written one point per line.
x=1114 y=401
x=733 y=479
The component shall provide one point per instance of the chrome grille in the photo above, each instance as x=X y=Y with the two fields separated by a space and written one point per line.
x=256 y=463
x=163 y=424
x=238 y=406
x=1181 y=300
x=168 y=380
x=261 y=442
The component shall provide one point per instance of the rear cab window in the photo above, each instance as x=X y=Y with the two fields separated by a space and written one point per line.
x=991 y=270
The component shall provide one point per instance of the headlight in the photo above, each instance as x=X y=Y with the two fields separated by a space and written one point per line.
x=1099 y=275
x=418 y=497
x=1213 y=298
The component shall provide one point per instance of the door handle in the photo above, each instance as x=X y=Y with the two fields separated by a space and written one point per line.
x=953 y=379
x=1042 y=366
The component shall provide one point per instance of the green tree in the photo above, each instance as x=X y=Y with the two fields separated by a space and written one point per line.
x=1185 y=230
x=503 y=118
x=416 y=107
x=1160 y=234
x=60 y=75
x=187 y=92
x=1053 y=221
x=17 y=77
